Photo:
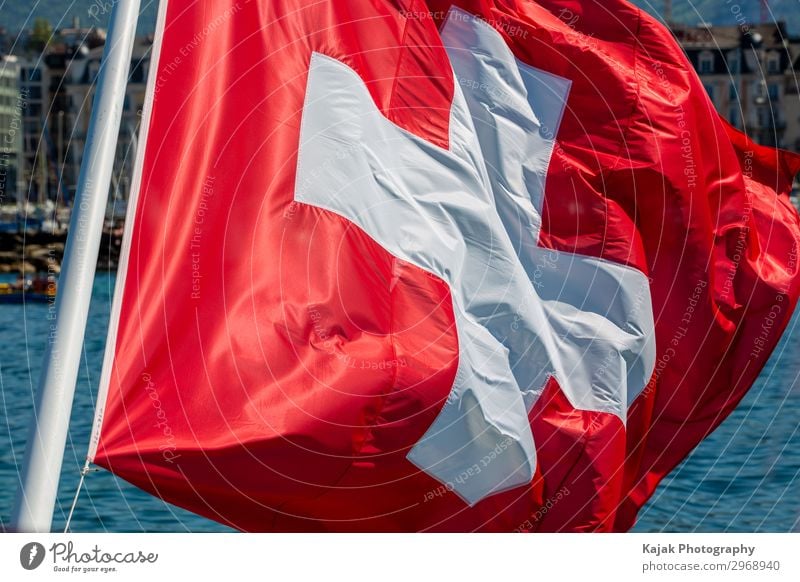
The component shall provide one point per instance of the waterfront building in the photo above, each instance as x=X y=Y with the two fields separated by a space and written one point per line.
x=10 y=128
x=78 y=88
x=33 y=80
x=749 y=74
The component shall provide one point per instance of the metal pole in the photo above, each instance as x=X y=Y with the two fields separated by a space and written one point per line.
x=38 y=487
x=60 y=155
x=740 y=95
x=41 y=159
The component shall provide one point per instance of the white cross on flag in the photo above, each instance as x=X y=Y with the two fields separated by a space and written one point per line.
x=441 y=266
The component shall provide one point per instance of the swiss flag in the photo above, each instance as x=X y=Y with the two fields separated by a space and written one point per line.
x=434 y=266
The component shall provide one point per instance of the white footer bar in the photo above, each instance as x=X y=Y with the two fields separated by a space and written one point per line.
x=332 y=557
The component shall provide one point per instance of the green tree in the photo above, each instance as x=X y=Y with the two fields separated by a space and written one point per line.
x=41 y=35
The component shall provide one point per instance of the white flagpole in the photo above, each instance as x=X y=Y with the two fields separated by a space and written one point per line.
x=38 y=486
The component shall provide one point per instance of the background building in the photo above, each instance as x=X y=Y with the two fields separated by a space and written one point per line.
x=749 y=74
x=33 y=169
x=77 y=94
x=56 y=71
x=747 y=70
x=10 y=128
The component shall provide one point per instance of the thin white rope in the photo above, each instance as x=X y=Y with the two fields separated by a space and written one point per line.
x=85 y=471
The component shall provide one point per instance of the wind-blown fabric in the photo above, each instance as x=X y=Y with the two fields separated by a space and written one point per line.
x=434 y=266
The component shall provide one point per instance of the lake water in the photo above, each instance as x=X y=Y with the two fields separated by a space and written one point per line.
x=744 y=477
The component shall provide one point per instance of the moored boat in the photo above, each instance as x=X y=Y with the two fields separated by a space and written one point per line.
x=39 y=289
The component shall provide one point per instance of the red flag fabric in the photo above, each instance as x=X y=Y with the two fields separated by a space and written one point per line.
x=443 y=266
x=647 y=174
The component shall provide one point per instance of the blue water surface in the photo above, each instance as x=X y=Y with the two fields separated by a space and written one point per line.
x=744 y=477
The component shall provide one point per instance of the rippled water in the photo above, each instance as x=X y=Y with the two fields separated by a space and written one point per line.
x=744 y=477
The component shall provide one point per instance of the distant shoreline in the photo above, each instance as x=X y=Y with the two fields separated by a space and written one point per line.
x=43 y=252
